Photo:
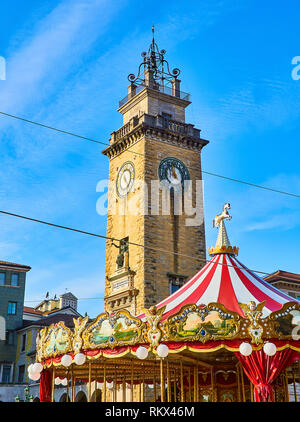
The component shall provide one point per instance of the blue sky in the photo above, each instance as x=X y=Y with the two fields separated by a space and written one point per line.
x=67 y=66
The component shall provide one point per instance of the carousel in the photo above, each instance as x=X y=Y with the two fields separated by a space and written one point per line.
x=225 y=335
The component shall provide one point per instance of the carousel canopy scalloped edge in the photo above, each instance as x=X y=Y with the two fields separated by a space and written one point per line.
x=191 y=324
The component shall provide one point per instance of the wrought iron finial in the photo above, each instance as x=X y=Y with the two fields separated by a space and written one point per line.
x=155 y=62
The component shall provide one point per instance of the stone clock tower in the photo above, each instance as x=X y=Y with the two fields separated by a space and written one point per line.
x=154 y=244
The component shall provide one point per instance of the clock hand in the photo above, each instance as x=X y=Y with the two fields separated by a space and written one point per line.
x=126 y=174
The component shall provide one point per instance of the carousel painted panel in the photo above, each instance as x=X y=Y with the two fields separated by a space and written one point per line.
x=203 y=323
x=111 y=330
x=285 y=323
x=54 y=340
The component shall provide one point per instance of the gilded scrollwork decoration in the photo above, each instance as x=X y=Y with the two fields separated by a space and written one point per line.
x=40 y=340
x=254 y=313
x=154 y=332
x=79 y=326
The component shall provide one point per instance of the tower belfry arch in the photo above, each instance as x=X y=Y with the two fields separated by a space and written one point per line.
x=154 y=145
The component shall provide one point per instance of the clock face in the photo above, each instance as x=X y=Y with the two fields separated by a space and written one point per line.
x=173 y=171
x=125 y=179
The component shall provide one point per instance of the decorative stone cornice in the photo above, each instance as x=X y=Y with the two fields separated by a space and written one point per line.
x=122 y=299
x=158 y=133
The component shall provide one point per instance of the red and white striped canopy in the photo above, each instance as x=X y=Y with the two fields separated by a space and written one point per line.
x=225 y=280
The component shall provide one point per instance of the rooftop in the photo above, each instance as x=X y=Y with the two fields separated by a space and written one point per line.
x=283 y=275
x=13 y=264
x=30 y=310
x=52 y=319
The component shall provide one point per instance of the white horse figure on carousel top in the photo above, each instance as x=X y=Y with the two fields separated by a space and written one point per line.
x=224 y=214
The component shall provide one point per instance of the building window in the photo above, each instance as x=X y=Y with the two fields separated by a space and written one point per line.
x=14 y=279
x=6 y=371
x=175 y=282
x=10 y=337
x=12 y=308
x=21 y=373
x=166 y=115
x=2 y=278
x=23 y=346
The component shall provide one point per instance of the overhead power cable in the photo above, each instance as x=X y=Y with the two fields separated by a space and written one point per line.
x=118 y=240
x=140 y=154
x=81 y=298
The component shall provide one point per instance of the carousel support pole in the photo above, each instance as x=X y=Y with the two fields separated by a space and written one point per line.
x=90 y=382
x=53 y=384
x=115 y=385
x=95 y=390
x=124 y=390
x=162 y=381
x=140 y=388
x=74 y=389
x=238 y=382
x=181 y=382
x=295 y=389
x=195 y=383
x=114 y=391
x=104 y=381
x=174 y=386
x=143 y=391
x=190 y=386
x=212 y=381
x=72 y=385
x=287 y=385
x=243 y=385
x=154 y=388
x=131 y=383
x=251 y=392
x=68 y=379
x=168 y=383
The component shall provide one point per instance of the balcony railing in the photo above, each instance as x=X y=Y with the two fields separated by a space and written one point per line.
x=161 y=88
x=157 y=121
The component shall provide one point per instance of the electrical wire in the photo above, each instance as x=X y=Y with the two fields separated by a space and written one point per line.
x=81 y=298
x=140 y=154
x=118 y=240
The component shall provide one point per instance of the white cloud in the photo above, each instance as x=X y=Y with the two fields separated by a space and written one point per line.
x=67 y=32
x=285 y=221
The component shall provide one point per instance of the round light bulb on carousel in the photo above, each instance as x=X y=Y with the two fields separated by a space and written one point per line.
x=162 y=350
x=66 y=360
x=142 y=352
x=80 y=359
x=270 y=349
x=37 y=367
x=29 y=369
x=245 y=349
x=34 y=375
x=57 y=381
